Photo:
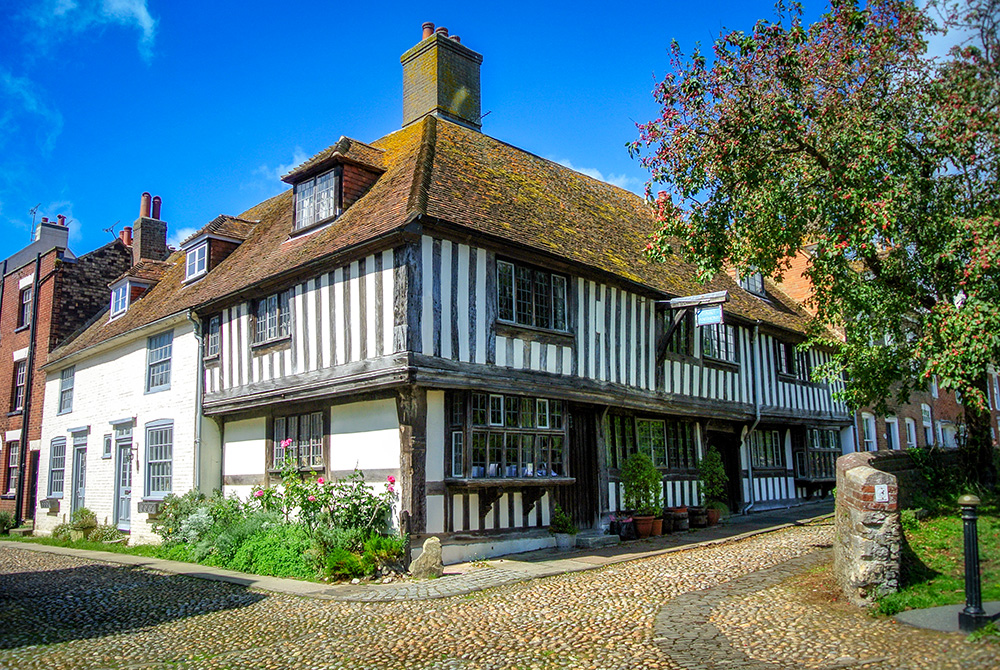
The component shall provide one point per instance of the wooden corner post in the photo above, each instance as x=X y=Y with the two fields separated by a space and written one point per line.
x=411 y=408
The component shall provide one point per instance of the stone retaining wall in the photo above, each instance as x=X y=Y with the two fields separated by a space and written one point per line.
x=868 y=536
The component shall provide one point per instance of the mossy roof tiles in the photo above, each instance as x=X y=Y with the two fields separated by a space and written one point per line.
x=444 y=171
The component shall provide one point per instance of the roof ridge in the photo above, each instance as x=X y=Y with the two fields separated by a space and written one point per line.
x=416 y=203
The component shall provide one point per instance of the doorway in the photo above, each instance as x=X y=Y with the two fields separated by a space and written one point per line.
x=123 y=478
x=79 y=475
x=728 y=446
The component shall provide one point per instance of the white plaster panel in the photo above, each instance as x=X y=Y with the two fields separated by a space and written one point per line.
x=364 y=435
x=12 y=435
x=245 y=446
x=435 y=436
x=26 y=281
x=20 y=354
x=435 y=514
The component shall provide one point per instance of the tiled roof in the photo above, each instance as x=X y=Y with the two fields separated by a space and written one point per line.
x=444 y=171
x=346 y=149
x=145 y=270
x=226 y=226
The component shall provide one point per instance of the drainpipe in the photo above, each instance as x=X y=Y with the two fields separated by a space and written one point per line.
x=196 y=325
x=29 y=380
x=756 y=402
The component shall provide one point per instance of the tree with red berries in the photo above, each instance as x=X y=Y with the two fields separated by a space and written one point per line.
x=847 y=138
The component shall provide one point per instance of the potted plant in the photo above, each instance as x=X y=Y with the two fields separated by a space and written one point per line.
x=562 y=526
x=82 y=524
x=643 y=487
x=713 y=481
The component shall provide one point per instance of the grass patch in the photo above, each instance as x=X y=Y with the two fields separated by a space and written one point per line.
x=150 y=550
x=933 y=571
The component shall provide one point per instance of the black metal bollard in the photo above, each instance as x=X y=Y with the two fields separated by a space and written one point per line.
x=973 y=617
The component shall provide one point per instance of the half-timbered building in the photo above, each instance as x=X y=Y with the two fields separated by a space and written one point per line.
x=481 y=324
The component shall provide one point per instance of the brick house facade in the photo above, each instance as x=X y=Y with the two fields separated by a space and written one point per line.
x=60 y=297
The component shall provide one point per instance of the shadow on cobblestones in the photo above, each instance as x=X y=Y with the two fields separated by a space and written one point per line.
x=88 y=601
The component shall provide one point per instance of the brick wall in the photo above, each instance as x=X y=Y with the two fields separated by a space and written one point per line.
x=218 y=251
x=82 y=288
x=356 y=182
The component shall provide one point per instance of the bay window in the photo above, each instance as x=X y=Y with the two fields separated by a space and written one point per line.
x=506 y=436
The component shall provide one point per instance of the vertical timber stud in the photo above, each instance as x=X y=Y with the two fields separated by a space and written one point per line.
x=411 y=408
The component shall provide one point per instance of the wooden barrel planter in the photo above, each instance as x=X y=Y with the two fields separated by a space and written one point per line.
x=679 y=518
x=698 y=517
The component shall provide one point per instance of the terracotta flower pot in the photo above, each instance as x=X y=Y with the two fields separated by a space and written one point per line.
x=643 y=526
x=657 y=527
x=713 y=516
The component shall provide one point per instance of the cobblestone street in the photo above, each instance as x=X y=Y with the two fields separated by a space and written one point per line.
x=66 y=612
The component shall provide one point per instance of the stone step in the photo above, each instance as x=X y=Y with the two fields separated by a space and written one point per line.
x=21 y=532
x=594 y=541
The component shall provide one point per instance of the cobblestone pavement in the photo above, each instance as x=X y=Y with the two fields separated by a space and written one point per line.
x=65 y=612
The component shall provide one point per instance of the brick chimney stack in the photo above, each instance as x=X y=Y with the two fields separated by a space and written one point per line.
x=441 y=78
x=149 y=233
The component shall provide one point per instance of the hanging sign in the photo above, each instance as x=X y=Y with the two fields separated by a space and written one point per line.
x=708 y=315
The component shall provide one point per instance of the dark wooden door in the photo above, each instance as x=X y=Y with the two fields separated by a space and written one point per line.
x=728 y=445
x=581 y=500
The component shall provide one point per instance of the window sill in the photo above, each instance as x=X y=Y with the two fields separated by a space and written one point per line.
x=719 y=364
x=282 y=342
x=541 y=335
x=22 y=328
x=492 y=482
x=64 y=412
x=212 y=360
x=313 y=226
x=680 y=358
x=158 y=389
x=194 y=278
x=16 y=412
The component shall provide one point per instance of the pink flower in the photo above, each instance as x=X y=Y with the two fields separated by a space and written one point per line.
x=391 y=479
x=258 y=493
x=286 y=443
x=312 y=498
x=320 y=481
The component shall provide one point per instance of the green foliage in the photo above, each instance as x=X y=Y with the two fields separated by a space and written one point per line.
x=82 y=519
x=174 y=510
x=713 y=475
x=988 y=633
x=61 y=532
x=933 y=570
x=561 y=522
x=342 y=564
x=108 y=534
x=386 y=551
x=220 y=546
x=643 y=484
x=908 y=520
x=6 y=522
x=277 y=551
x=843 y=137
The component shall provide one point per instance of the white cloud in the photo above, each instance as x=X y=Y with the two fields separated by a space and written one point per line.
x=178 y=235
x=81 y=15
x=298 y=158
x=619 y=180
x=18 y=96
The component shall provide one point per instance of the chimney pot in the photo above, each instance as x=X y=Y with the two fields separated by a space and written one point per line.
x=144 y=205
x=126 y=236
x=62 y=220
x=428 y=29
x=456 y=38
x=45 y=219
x=442 y=31
x=156 y=207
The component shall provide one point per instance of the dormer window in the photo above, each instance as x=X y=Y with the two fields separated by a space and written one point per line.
x=754 y=283
x=317 y=199
x=197 y=261
x=119 y=300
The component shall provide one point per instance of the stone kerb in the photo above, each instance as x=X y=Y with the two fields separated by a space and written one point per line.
x=868 y=539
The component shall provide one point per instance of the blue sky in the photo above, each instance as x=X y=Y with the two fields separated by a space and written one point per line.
x=207 y=103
